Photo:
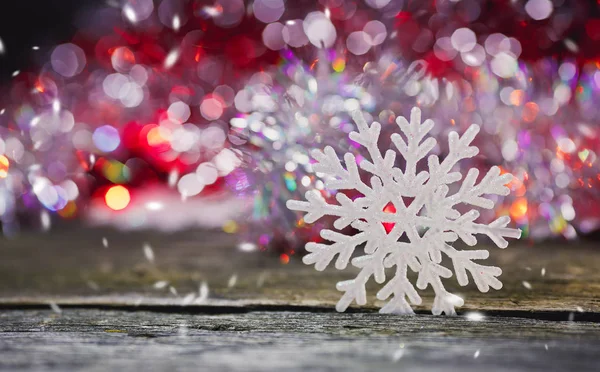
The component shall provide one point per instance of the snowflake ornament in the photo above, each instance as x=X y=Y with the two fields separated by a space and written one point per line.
x=385 y=220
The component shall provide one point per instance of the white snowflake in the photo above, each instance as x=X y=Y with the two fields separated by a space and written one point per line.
x=430 y=222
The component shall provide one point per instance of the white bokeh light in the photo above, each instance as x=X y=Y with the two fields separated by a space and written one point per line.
x=463 y=39
x=319 y=30
x=359 y=43
x=539 y=9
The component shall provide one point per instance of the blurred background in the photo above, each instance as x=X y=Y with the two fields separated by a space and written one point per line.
x=185 y=114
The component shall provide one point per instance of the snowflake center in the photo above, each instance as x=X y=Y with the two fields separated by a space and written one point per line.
x=391 y=209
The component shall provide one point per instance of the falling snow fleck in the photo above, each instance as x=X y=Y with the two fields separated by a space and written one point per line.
x=161 y=284
x=398 y=354
x=45 y=220
x=261 y=279
x=93 y=285
x=176 y=23
x=183 y=330
x=202 y=293
x=188 y=299
x=54 y=306
x=475 y=316
x=148 y=252
x=171 y=59
x=232 y=281
x=247 y=247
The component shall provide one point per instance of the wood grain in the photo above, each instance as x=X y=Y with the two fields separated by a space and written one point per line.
x=94 y=340
x=74 y=267
x=262 y=315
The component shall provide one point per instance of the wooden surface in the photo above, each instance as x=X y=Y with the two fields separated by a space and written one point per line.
x=93 y=340
x=261 y=314
x=73 y=266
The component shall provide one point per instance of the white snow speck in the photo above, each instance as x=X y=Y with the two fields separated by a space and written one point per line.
x=171 y=59
x=148 y=252
x=161 y=284
x=183 y=330
x=188 y=299
x=261 y=279
x=202 y=293
x=527 y=285
x=176 y=22
x=130 y=13
x=232 y=281
x=398 y=354
x=475 y=316
x=54 y=306
x=154 y=206
x=543 y=272
x=173 y=290
x=45 y=220
x=571 y=45
x=173 y=177
x=247 y=247
x=476 y=355
x=105 y=242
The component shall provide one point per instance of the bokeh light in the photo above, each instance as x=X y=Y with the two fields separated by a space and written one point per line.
x=117 y=198
x=229 y=98
x=4 y=166
x=106 y=138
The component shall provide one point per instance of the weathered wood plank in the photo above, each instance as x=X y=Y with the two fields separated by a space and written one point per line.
x=73 y=266
x=271 y=341
x=242 y=324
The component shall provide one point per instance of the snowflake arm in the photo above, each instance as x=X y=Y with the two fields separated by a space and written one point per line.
x=316 y=207
x=414 y=148
x=484 y=276
x=371 y=264
x=343 y=179
x=491 y=184
x=380 y=166
x=322 y=254
x=399 y=287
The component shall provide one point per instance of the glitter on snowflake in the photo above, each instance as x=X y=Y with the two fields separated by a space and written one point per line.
x=398 y=205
